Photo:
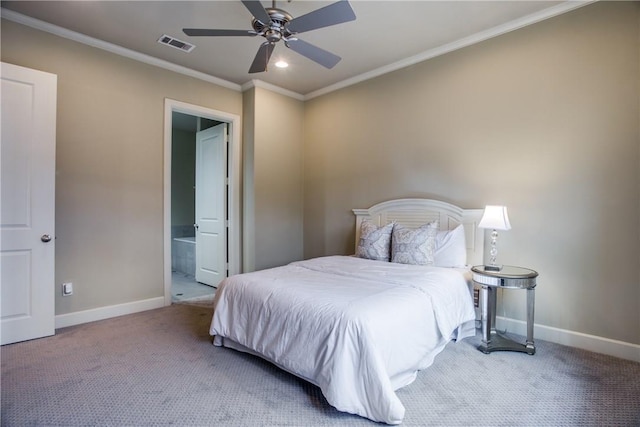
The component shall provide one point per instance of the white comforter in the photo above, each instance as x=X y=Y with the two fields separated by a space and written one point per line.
x=358 y=329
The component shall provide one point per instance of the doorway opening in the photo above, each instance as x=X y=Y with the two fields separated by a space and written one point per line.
x=186 y=283
x=188 y=137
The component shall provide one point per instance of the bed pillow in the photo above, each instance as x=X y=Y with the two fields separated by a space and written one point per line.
x=414 y=246
x=450 y=248
x=375 y=242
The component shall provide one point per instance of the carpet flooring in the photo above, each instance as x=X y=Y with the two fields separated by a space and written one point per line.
x=159 y=368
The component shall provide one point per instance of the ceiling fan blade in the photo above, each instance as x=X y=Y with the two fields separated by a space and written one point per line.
x=257 y=10
x=195 y=32
x=262 y=58
x=314 y=53
x=335 y=13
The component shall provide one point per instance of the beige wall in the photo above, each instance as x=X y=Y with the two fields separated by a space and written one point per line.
x=109 y=164
x=273 y=179
x=544 y=120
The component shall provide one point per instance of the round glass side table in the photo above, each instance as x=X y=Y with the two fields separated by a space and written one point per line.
x=508 y=277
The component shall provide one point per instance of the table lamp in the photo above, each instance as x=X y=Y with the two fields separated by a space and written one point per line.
x=495 y=218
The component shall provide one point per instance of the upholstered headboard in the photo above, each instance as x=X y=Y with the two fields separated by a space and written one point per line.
x=415 y=212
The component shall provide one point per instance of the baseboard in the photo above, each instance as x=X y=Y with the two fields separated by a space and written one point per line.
x=85 y=316
x=621 y=349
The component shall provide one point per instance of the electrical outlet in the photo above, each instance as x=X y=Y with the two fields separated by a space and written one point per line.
x=67 y=289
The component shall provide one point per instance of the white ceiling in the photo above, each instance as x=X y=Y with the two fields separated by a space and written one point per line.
x=386 y=35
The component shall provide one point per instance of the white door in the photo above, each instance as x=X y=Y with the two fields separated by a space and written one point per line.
x=27 y=204
x=211 y=232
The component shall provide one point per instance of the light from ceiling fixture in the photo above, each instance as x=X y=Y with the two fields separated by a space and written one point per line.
x=281 y=64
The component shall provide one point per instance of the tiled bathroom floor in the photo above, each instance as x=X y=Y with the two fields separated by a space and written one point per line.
x=185 y=287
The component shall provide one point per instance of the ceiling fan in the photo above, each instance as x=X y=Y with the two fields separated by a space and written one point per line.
x=276 y=24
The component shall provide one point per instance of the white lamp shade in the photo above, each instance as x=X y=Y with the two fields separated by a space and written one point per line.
x=495 y=217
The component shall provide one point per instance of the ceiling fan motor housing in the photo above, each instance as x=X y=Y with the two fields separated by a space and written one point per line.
x=276 y=29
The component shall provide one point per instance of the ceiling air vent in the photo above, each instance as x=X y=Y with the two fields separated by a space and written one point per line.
x=178 y=44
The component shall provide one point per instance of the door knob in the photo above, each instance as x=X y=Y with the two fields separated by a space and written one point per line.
x=45 y=238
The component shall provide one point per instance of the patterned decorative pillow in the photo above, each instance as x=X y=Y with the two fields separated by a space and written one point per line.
x=414 y=246
x=375 y=242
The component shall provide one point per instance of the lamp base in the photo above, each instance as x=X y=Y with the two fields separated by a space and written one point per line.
x=492 y=267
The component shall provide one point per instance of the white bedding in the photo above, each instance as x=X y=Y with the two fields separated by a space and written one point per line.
x=359 y=329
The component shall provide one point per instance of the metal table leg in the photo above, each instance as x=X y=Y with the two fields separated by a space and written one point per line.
x=530 y=346
x=487 y=316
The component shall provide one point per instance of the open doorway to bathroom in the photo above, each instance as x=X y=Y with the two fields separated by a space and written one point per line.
x=184 y=283
x=183 y=226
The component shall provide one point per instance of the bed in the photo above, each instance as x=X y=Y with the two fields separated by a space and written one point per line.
x=361 y=327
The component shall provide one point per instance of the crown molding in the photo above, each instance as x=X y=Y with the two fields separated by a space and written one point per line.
x=273 y=88
x=421 y=57
x=141 y=57
x=459 y=44
x=110 y=47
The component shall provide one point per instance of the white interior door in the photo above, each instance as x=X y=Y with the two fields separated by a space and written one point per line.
x=211 y=176
x=27 y=204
